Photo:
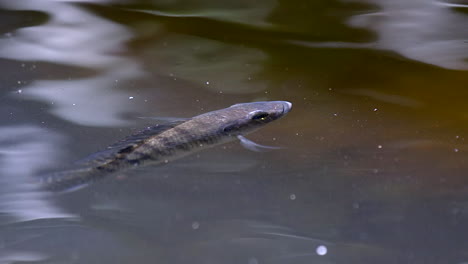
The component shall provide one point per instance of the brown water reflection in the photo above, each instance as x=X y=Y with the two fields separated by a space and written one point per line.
x=374 y=159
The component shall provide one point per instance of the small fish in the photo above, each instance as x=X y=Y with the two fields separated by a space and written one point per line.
x=162 y=143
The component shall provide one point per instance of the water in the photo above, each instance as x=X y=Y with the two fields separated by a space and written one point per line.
x=374 y=155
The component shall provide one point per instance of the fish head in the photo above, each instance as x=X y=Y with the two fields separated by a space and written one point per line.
x=244 y=118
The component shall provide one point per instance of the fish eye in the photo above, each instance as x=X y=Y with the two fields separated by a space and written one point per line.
x=260 y=116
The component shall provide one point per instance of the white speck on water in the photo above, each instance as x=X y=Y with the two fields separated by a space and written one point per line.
x=207 y=83
x=249 y=78
x=74 y=104
x=457 y=137
x=266 y=92
x=23 y=65
x=20 y=91
x=456 y=150
x=130 y=97
x=335 y=114
x=195 y=225
x=274 y=138
x=146 y=101
x=379 y=146
x=292 y=196
x=116 y=80
x=330 y=89
x=321 y=250
x=375 y=109
x=220 y=92
x=166 y=161
x=19 y=82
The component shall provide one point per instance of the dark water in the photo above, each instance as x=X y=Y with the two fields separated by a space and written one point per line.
x=374 y=163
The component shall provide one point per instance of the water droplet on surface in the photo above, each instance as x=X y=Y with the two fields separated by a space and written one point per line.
x=292 y=196
x=321 y=250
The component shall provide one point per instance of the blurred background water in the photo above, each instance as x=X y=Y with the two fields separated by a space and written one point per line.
x=374 y=163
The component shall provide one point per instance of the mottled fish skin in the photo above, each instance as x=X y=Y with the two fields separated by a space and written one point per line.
x=179 y=139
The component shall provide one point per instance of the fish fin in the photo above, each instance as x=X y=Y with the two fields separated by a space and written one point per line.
x=127 y=144
x=165 y=119
x=250 y=145
x=139 y=137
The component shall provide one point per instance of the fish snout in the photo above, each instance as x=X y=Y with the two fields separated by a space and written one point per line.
x=287 y=106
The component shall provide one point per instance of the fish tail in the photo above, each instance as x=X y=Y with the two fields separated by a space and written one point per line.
x=70 y=180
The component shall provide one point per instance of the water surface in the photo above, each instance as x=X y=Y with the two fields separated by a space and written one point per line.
x=374 y=160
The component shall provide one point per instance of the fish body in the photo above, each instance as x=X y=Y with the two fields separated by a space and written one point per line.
x=162 y=143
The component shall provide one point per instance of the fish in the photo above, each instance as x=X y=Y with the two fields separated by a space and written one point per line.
x=162 y=143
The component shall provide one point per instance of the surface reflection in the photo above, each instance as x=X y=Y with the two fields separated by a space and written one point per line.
x=25 y=151
x=419 y=30
x=74 y=37
x=423 y=31
x=428 y=32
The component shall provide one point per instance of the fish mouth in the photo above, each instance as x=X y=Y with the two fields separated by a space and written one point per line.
x=286 y=106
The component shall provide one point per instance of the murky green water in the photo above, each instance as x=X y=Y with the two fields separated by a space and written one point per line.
x=374 y=163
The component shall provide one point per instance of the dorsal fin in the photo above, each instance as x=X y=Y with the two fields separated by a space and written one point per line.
x=127 y=144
